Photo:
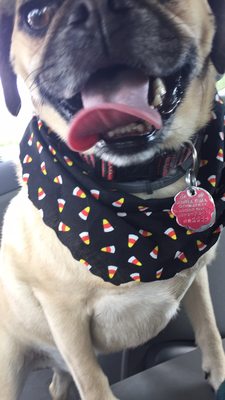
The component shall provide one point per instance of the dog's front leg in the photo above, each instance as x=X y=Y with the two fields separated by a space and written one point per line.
x=13 y=369
x=69 y=324
x=60 y=385
x=199 y=308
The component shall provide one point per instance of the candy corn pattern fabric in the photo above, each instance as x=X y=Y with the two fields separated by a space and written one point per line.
x=115 y=235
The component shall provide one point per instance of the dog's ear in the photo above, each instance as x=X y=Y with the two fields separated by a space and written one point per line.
x=218 y=50
x=8 y=78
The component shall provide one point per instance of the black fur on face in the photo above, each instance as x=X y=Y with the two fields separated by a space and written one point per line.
x=128 y=33
x=125 y=35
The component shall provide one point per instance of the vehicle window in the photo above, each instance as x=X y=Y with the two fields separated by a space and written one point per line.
x=221 y=87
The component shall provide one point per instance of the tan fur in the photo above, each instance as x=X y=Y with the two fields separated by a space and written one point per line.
x=50 y=304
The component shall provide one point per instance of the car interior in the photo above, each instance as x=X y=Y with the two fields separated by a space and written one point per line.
x=174 y=341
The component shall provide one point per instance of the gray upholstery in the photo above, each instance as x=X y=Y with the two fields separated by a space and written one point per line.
x=8 y=186
x=8 y=177
x=177 y=338
x=178 y=379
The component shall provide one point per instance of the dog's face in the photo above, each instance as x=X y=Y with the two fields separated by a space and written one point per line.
x=121 y=78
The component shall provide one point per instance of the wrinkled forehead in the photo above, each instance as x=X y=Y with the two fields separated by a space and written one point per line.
x=167 y=3
x=20 y=3
x=37 y=3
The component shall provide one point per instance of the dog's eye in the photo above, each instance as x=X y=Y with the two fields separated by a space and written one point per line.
x=39 y=19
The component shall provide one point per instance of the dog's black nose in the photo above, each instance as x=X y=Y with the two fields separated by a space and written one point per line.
x=99 y=17
x=88 y=12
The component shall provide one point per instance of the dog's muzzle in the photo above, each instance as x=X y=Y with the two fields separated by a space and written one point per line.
x=121 y=84
x=123 y=108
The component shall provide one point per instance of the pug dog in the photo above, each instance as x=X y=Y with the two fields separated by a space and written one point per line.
x=123 y=93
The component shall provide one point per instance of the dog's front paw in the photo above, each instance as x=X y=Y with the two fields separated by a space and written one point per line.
x=214 y=367
x=220 y=395
x=215 y=375
x=60 y=385
x=215 y=380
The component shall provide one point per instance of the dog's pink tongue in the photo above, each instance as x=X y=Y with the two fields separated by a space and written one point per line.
x=110 y=104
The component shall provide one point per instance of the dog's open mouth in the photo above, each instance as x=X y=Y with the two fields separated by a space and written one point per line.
x=122 y=107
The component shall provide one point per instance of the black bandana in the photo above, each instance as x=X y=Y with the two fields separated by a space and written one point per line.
x=118 y=236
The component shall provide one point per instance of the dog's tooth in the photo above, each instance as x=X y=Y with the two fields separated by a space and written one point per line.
x=123 y=130
x=148 y=127
x=133 y=127
x=129 y=129
x=159 y=91
x=159 y=87
x=110 y=134
x=157 y=102
x=140 y=128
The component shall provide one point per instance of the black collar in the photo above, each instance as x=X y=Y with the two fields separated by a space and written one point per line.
x=164 y=169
